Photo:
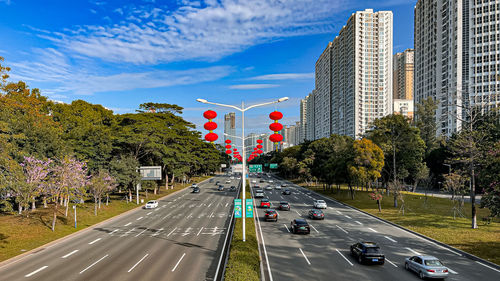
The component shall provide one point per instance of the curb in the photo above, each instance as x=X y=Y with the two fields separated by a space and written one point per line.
x=79 y=232
x=450 y=248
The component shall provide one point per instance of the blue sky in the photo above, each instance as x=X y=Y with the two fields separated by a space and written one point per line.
x=124 y=53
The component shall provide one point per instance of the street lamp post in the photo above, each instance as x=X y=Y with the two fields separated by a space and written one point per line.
x=242 y=109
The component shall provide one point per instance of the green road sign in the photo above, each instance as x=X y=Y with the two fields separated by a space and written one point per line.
x=255 y=168
x=249 y=210
x=237 y=208
x=273 y=166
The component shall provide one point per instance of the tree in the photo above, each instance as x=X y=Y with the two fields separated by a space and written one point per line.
x=124 y=170
x=425 y=120
x=455 y=184
x=35 y=174
x=101 y=184
x=289 y=166
x=491 y=177
x=367 y=163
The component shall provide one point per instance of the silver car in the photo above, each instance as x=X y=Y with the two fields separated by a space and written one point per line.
x=426 y=267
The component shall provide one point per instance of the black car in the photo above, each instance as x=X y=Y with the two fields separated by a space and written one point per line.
x=261 y=181
x=284 y=206
x=271 y=214
x=286 y=192
x=300 y=226
x=316 y=214
x=220 y=188
x=196 y=190
x=217 y=182
x=232 y=188
x=367 y=252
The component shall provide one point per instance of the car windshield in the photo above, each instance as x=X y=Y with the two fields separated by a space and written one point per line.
x=151 y=202
x=372 y=250
x=433 y=263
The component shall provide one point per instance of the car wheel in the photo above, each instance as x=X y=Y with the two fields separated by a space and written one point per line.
x=360 y=260
x=421 y=275
x=407 y=267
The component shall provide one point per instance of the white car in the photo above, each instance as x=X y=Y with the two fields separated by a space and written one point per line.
x=151 y=204
x=232 y=178
x=270 y=181
x=192 y=186
x=228 y=181
x=319 y=204
x=278 y=187
x=259 y=194
x=254 y=181
x=269 y=187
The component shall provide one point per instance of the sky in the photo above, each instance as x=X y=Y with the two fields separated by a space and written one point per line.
x=121 y=54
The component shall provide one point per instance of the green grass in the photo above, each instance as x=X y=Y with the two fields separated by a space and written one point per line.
x=244 y=262
x=434 y=218
x=21 y=233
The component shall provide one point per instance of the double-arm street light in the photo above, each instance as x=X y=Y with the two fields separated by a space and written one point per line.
x=242 y=109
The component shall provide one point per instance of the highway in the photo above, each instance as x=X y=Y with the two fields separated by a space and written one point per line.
x=324 y=253
x=179 y=240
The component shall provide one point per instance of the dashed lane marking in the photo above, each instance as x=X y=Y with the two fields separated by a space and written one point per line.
x=390 y=239
x=372 y=229
x=173 y=269
x=36 y=271
x=391 y=262
x=93 y=264
x=132 y=268
x=344 y=257
x=69 y=254
x=341 y=229
x=307 y=260
x=90 y=243
x=413 y=251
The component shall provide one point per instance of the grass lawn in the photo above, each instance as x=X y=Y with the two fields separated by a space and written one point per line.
x=21 y=233
x=434 y=218
x=244 y=262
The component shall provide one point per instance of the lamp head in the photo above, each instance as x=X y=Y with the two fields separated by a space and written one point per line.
x=283 y=99
x=201 y=100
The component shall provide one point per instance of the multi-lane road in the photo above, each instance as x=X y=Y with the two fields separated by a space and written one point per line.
x=180 y=240
x=324 y=253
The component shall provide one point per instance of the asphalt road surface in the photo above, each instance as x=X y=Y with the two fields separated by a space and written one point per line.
x=179 y=240
x=324 y=253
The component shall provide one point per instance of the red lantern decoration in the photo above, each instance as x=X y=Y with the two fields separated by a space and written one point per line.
x=259 y=141
x=211 y=137
x=228 y=151
x=276 y=115
x=210 y=126
x=210 y=114
x=276 y=137
x=259 y=146
x=255 y=148
x=235 y=149
x=260 y=151
x=275 y=127
x=228 y=146
x=227 y=141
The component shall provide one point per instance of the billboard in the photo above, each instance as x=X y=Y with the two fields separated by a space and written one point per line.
x=150 y=173
x=273 y=166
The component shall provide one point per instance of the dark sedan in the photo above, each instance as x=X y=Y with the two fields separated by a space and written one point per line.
x=196 y=190
x=286 y=192
x=284 y=206
x=300 y=226
x=367 y=252
x=316 y=214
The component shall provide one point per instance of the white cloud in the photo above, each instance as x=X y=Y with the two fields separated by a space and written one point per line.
x=5 y=1
x=93 y=11
x=253 y=86
x=198 y=30
x=284 y=76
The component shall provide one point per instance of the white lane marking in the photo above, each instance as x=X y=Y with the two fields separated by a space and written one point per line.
x=286 y=228
x=165 y=217
x=314 y=228
x=296 y=198
x=391 y=262
x=341 y=229
x=113 y=231
x=158 y=232
x=358 y=222
x=413 y=251
x=132 y=268
x=212 y=215
x=452 y=271
x=36 y=271
x=149 y=213
x=69 y=254
x=90 y=243
x=199 y=231
x=126 y=233
x=297 y=212
x=141 y=232
x=307 y=260
x=93 y=264
x=347 y=216
x=390 y=239
x=372 y=229
x=488 y=266
x=139 y=218
x=264 y=246
x=209 y=205
x=344 y=257
x=339 y=212
x=226 y=205
x=128 y=224
x=171 y=232
x=173 y=269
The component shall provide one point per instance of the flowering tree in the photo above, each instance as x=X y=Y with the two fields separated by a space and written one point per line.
x=101 y=184
x=70 y=179
x=35 y=173
x=377 y=196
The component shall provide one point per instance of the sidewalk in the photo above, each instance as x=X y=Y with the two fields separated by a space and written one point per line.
x=434 y=193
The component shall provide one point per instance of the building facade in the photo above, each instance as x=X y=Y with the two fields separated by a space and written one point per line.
x=230 y=127
x=403 y=66
x=310 y=117
x=404 y=107
x=323 y=94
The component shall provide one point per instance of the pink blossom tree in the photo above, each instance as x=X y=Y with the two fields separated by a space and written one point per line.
x=101 y=184
x=35 y=174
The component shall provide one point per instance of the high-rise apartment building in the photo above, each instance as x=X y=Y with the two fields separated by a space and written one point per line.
x=303 y=121
x=361 y=73
x=310 y=117
x=457 y=58
x=402 y=77
x=323 y=94
x=230 y=126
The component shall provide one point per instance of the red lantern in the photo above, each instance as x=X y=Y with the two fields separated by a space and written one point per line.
x=211 y=137
x=259 y=141
x=210 y=114
x=255 y=148
x=235 y=149
x=210 y=126
x=236 y=152
x=275 y=127
x=228 y=151
x=260 y=151
x=228 y=141
x=259 y=146
x=276 y=137
x=276 y=115
x=228 y=146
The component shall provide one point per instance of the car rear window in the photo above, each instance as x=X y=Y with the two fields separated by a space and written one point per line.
x=301 y=222
x=433 y=263
x=284 y=203
x=372 y=250
x=264 y=200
